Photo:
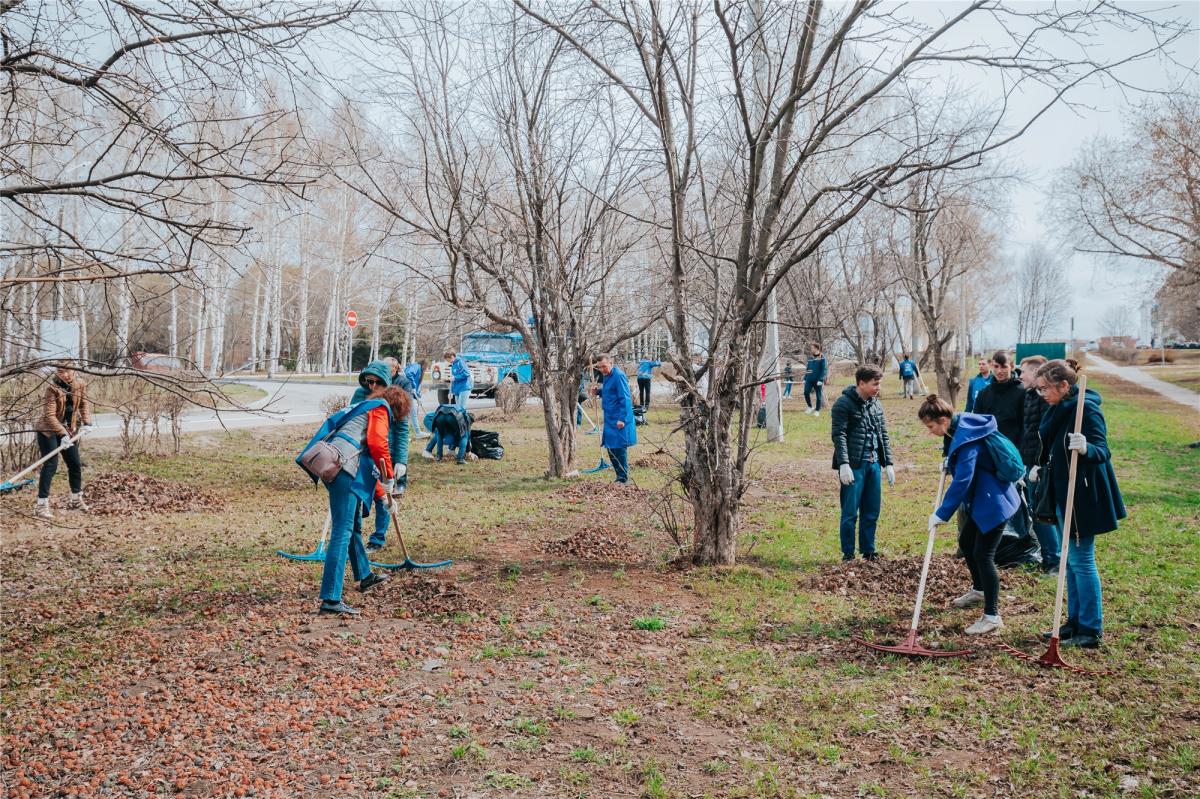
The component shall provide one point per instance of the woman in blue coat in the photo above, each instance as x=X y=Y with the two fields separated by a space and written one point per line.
x=1098 y=503
x=988 y=502
x=620 y=432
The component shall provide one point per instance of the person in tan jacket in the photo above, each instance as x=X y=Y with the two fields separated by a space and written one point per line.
x=65 y=411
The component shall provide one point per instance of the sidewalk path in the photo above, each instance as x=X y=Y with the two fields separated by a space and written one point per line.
x=1169 y=390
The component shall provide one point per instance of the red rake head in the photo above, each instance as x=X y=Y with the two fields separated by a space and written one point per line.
x=911 y=648
x=1052 y=659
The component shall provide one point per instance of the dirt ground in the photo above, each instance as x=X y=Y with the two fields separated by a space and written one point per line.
x=159 y=647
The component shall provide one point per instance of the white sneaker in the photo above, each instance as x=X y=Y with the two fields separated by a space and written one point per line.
x=809 y=412
x=816 y=414
x=41 y=509
x=75 y=502
x=426 y=454
x=968 y=599
x=986 y=624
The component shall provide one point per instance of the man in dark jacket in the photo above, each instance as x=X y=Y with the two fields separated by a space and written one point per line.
x=862 y=452
x=1004 y=398
x=1031 y=446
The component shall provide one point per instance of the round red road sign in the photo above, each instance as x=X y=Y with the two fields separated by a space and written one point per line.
x=351 y=319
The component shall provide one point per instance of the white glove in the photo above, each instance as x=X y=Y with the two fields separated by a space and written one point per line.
x=388 y=485
x=1034 y=471
x=890 y=471
x=87 y=429
x=1077 y=442
x=845 y=474
x=935 y=520
x=399 y=469
x=820 y=383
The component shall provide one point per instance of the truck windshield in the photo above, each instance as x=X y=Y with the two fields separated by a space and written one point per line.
x=489 y=344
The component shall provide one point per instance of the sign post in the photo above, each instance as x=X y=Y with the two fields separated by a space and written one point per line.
x=351 y=323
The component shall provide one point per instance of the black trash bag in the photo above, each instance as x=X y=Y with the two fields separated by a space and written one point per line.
x=486 y=444
x=1016 y=549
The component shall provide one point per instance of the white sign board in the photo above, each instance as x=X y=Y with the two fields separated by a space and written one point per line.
x=60 y=339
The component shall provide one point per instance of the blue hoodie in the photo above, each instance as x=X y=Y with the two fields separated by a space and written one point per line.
x=978 y=383
x=413 y=372
x=989 y=501
x=461 y=375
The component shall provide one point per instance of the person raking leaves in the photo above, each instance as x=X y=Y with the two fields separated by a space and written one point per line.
x=985 y=467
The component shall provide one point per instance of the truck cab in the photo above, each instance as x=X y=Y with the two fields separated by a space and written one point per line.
x=491 y=357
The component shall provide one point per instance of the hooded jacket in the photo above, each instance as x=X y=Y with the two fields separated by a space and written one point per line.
x=1031 y=418
x=398 y=433
x=413 y=373
x=849 y=436
x=1006 y=402
x=988 y=500
x=1098 y=503
x=461 y=375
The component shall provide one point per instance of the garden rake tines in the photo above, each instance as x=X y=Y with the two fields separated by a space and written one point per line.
x=408 y=563
x=1051 y=657
x=910 y=646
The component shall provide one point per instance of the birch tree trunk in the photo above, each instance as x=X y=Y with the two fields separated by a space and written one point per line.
x=303 y=361
x=254 y=327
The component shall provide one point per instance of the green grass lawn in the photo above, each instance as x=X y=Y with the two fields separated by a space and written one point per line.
x=575 y=675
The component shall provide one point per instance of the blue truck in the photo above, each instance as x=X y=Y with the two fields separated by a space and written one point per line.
x=492 y=359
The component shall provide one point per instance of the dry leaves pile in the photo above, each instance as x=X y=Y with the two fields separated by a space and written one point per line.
x=886 y=579
x=421 y=595
x=130 y=494
x=592 y=544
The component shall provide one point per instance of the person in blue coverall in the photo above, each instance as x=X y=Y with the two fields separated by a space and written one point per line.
x=978 y=383
x=988 y=502
x=909 y=374
x=415 y=372
x=620 y=432
x=645 y=377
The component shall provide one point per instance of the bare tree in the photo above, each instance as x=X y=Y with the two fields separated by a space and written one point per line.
x=763 y=160
x=519 y=188
x=1118 y=321
x=109 y=159
x=1040 y=291
x=1138 y=197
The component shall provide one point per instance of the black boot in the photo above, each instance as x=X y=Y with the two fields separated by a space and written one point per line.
x=1084 y=639
x=371 y=580
x=1065 y=632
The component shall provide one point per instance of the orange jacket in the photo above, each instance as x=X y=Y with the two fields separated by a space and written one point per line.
x=377 y=444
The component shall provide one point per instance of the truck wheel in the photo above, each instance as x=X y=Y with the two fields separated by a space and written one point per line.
x=443 y=396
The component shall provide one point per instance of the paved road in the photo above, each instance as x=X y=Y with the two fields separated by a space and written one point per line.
x=1171 y=391
x=285 y=403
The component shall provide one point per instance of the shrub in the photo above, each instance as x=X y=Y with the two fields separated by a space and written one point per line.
x=332 y=403
x=511 y=396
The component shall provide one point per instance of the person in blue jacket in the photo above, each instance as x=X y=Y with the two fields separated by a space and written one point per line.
x=988 y=502
x=1098 y=503
x=909 y=374
x=814 y=379
x=374 y=376
x=620 y=432
x=645 y=378
x=415 y=371
x=460 y=385
x=978 y=383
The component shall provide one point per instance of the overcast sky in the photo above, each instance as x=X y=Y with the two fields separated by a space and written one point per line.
x=1052 y=144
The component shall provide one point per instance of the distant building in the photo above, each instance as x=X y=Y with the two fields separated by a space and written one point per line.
x=1118 y=342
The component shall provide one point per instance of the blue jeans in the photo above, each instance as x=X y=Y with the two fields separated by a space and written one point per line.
x=460 y=399
x=787 y=388
x=343 y=542
x=620 y=462
x=414 y=418
x=861 y=502
x=1083 y=585
x=382 y=519
x=1047 y=534
x=460 y=443
x=809 y=388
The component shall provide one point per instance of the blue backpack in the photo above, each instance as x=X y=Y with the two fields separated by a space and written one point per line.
x=1009 y=468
